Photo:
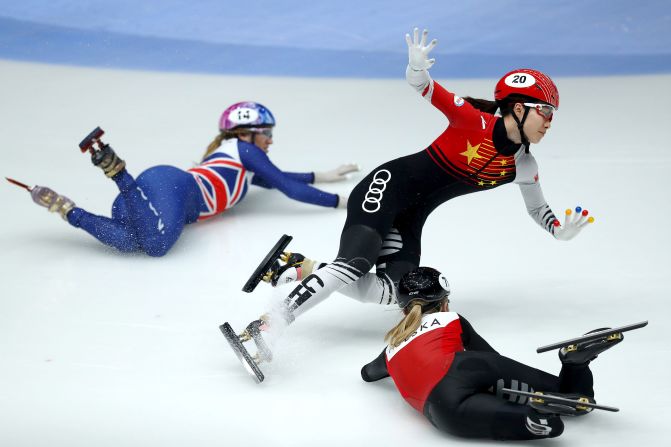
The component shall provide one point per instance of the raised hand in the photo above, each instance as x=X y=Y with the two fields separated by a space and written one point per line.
x=418 y=50
x=336 y=175
x=573 y=224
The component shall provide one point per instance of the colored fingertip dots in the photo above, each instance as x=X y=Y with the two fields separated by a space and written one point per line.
x=568 y=211
x=590 y=220
x=556 y=222
x=578 y=209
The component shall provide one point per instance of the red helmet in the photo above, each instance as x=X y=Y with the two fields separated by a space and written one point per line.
x=527 y=82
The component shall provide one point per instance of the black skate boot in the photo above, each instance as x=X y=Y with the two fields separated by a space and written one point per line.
x=102 y=155
x=251 y=332
x=51 y=200
x=295 y=267
x=581 y=353
x=107 y=160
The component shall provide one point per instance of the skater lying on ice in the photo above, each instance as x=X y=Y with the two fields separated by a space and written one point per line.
x=152 y=209
x=387 y=210
x=447 y=372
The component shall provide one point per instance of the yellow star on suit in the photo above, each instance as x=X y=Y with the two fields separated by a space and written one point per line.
x=471 y=152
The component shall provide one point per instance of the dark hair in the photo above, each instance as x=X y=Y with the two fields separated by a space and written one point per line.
x=505 y=105
x=483 y=105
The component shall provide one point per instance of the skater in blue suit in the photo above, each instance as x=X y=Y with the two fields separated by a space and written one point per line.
x=151 y=210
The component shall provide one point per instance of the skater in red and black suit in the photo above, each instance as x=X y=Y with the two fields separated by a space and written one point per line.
x=448 y=372
x=478 y=151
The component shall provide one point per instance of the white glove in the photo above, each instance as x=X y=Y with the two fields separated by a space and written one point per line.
x=573 y=224
x=336 y=175
x=418 y=51
x=342 y=201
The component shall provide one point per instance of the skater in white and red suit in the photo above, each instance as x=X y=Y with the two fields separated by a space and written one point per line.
x=448 y=372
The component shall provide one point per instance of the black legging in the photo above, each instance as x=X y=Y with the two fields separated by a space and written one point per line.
x=467 y=401
x=387 y=208
x=412 y=187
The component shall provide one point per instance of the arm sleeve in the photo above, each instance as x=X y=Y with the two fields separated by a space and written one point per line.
x=459 y=112
x=527 y=178
x=303 y=177
x=375 y=370
x=471 y=339
x=269 y=176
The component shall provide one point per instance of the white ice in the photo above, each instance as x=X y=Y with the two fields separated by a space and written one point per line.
x=99 y=348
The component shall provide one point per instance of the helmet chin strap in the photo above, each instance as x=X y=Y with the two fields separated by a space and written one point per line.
x=520 y=127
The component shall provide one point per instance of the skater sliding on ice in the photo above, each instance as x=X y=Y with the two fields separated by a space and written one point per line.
x=151 y=210
x=449 y=373
x=387 y=210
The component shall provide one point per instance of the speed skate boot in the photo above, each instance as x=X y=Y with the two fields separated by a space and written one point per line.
x=582 y=353
x=107 y=160
x=102 y=155
x=295 y=268
x=542 y=403
x=51 y=200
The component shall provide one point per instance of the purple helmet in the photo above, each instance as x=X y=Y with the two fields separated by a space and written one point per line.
x=246 y=115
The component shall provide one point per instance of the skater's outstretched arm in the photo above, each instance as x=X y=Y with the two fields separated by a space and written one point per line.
x=472 y=340
x=459 y=112
x=255 y=160
x=334 y=175
x=527 y=178
x=302 y=177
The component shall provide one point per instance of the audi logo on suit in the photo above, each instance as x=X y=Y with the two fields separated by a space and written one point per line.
x=373 y=197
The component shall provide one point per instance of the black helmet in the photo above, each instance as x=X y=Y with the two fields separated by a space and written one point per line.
x=423 y=283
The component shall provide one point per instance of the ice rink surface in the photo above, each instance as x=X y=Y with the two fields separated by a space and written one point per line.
x=99 y=348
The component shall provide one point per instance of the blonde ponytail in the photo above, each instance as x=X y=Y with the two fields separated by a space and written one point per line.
x=407 y=325
x=223 y=135
x=412 y=319
x=213 y=146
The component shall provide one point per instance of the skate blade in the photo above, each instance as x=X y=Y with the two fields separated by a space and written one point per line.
x=90 y=139
x=247 y=360
x=591 y=337
x=19 y=184
x=267 y=262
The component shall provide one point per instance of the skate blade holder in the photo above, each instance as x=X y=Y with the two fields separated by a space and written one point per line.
x=273 y=255
x=249 y=362
x=92 y=139
x=539 y=399
x=542 y=401
x=542 y=398
x=612 y=337
x=284 y=257
x=253 y=332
